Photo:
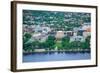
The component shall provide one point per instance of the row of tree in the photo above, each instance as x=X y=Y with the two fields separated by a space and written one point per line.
x=51 y=43
x=66 y=44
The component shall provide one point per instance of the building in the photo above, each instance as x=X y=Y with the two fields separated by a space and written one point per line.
x=45 y=30
x=52 y=33
x=86 y=26
x=87 y=31
x=38 y=29
x=42 y=29
x=80 y=32
x=69 y=33
x=59 y=34
x=28 y=28
x=77 y=38
x=39 y=37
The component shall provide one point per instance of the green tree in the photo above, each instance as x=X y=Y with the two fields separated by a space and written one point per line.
x=65 y=43
x=86 y=44
x=27 y=46
x=26 y=37
x=50 y=42
x=75 y=45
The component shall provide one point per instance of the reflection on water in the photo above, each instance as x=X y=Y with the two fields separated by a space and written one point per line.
x=55 y=56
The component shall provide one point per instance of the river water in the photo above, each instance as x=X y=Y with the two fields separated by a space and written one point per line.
x=43 y=57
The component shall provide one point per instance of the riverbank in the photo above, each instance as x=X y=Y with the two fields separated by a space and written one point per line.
x=59 y=51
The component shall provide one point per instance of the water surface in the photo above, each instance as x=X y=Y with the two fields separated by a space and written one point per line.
x=42 y=57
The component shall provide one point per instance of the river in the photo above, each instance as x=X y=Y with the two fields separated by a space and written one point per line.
x=55 y=56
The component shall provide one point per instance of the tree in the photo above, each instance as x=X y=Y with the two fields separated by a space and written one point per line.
x=65 y=43
x=50 y=42
x=26 y=37
x=51 y=38
x=76 y=45
x=67 y=39
x=86 y=44
x=27 y=46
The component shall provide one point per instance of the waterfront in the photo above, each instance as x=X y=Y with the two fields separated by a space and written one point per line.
x=55 y=56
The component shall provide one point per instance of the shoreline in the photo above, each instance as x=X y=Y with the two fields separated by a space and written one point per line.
x=59 y=51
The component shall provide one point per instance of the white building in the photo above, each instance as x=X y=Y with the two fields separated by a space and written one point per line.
x=42 y=29
x=39 y=37
x=77 y=38
x=45 y=29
